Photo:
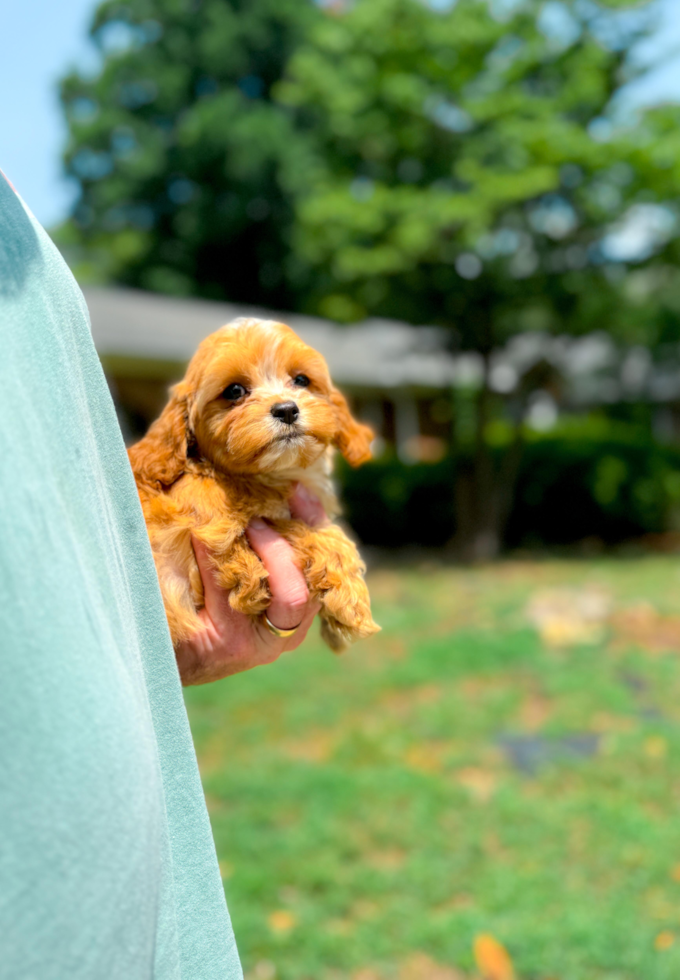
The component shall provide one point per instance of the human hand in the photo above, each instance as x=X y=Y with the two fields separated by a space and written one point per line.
x=229 y=642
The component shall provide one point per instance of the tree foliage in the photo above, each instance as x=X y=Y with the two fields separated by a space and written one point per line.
x=471 y=169
x=183 y=159
x=452 y=164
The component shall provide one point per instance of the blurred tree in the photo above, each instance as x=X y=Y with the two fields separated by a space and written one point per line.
x=473 y=169
x=182 y=158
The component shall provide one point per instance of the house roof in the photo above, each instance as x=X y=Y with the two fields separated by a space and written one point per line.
x=129 y=324
x=155 y=335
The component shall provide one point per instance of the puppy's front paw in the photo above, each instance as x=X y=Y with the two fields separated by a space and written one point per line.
x=244 y=576
x=335 y=576
x=346 y=615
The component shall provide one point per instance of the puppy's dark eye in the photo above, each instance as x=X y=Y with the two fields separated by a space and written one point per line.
x=301 y=381
x=233 y=392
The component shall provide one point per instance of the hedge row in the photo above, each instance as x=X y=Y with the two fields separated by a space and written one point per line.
x=586 y=478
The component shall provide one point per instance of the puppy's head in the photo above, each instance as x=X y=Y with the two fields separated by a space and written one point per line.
x=255 y=399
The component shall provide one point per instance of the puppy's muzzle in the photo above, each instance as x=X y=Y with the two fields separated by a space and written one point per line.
x=286 y=412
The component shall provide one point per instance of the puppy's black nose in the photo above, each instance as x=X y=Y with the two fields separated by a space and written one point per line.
x=285 y=412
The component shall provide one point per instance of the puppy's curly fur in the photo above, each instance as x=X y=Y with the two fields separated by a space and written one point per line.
x=255 y=413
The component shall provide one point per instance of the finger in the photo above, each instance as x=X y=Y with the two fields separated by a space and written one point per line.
x=299 y=635
x=306 y=506
x=215 y=598
x=286 y=582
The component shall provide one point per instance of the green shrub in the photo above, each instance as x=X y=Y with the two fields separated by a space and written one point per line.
x=390 y=504
x=588 y=477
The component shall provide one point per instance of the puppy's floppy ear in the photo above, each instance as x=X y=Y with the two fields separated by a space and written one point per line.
x=160 y=457
x=352 y=438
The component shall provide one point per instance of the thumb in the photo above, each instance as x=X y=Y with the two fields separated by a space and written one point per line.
x=287 y=584
x=306 y=506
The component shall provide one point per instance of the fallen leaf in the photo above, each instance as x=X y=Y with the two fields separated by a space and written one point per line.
x=493 y=846
x=604 y=721
x=643 y=626
x=424 y=757
x=566 y=617
x=282 y=921
x=659 y=904
x=479 y=782
x=655 y=747
x=263 y=970
x=664 y=940
x=340 y=927
x=535 y=711
x=386 y=860
x=402 y=703
x=492 y=958
x=364 y=909
x=456 y=902
x=317 y=746
x=226 y=870
x=419 y=966
x=477 y=687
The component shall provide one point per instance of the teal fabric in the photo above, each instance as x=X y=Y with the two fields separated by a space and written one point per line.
x=107 y=864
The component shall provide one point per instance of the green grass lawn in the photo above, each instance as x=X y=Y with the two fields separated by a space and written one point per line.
x=477 y=767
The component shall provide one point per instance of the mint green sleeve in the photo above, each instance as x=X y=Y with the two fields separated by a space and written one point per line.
x=107 y=863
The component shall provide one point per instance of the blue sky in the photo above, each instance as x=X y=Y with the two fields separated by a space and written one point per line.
x=41 y=39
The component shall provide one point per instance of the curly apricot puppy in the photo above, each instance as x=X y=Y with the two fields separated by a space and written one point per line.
x=255 y=413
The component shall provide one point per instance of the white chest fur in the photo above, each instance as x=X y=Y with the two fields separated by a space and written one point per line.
x=318 y=479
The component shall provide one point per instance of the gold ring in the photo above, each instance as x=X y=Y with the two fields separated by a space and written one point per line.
x=275 y=631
